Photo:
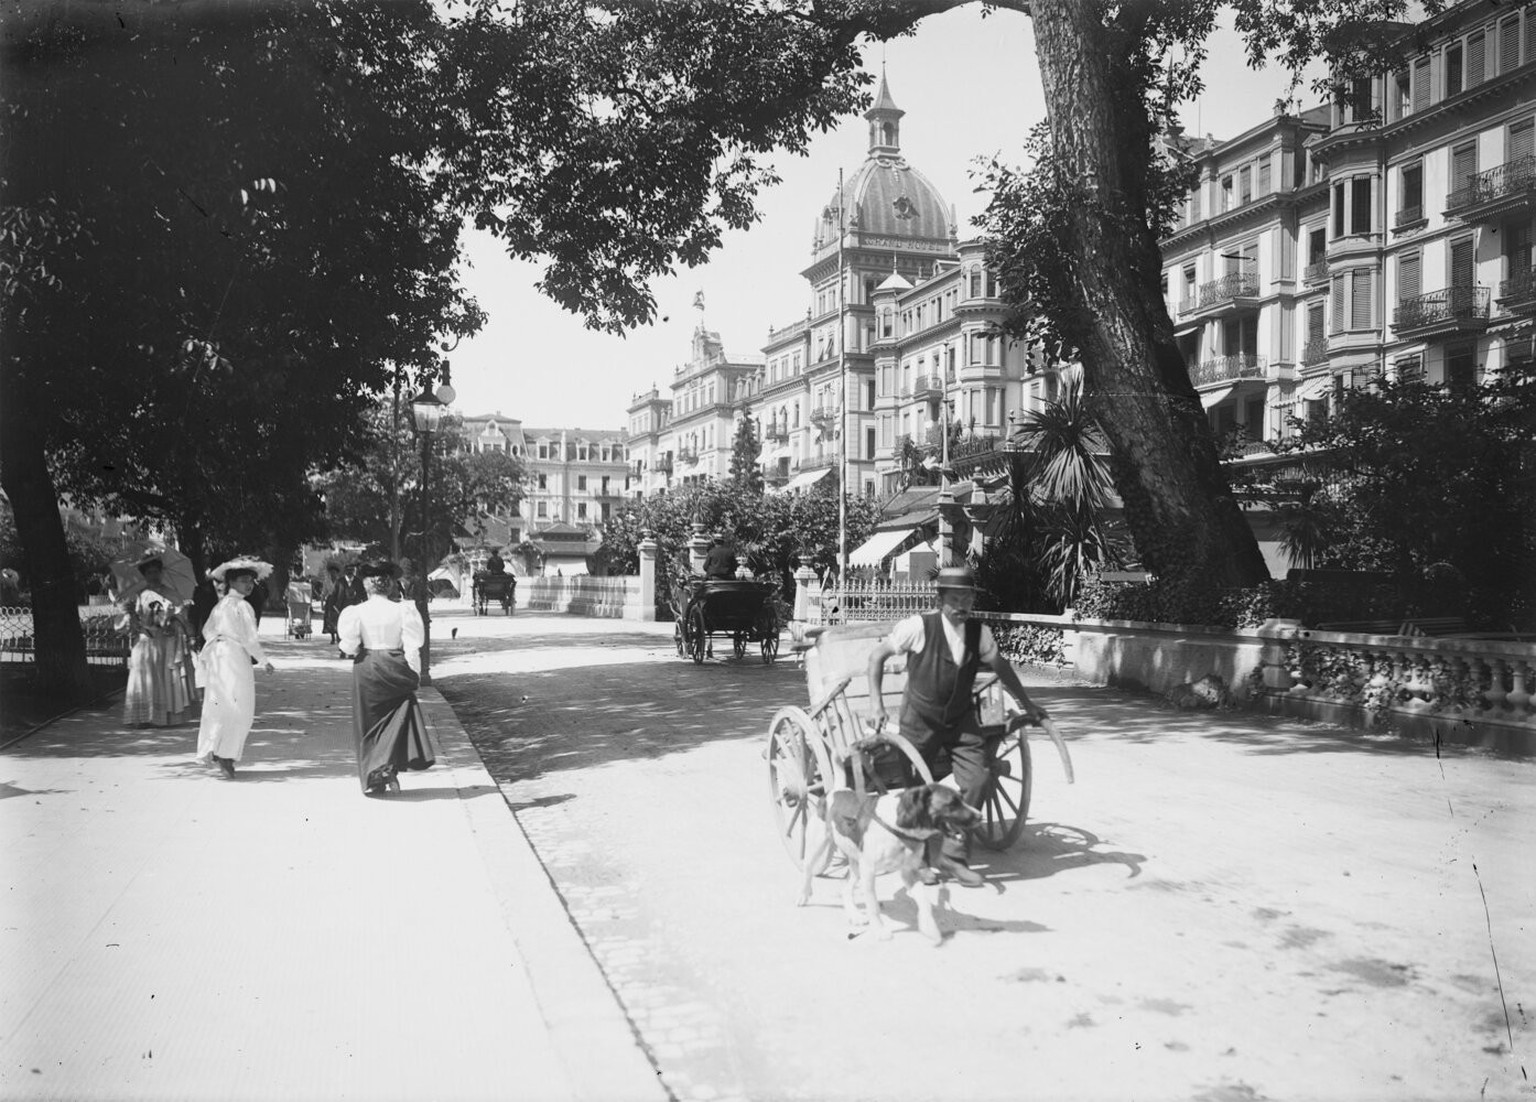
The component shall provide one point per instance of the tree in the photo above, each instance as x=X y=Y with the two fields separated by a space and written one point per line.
x=745 y=450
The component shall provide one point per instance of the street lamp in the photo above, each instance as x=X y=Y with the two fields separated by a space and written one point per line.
x=426 y=416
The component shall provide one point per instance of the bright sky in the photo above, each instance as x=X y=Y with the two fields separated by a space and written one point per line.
x=970 y=88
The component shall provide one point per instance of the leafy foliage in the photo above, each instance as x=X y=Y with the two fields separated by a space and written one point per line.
x=745 y=450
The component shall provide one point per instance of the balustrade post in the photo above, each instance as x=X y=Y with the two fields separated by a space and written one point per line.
x=1495 y=693
x=648 y=549
x=1519 y=698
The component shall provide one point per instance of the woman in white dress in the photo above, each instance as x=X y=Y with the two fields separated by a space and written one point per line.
x=385 y=638
x=230 y=646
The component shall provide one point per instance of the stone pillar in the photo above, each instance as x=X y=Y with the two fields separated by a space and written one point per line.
x=648 y=549
x=807 y=594
x=698 y=547
x=1276 y=634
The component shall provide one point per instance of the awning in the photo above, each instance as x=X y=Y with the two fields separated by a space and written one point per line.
x=1311 y=390
x=566 y=567
x=807 y=478
x=1212 y=398
x=879 y=547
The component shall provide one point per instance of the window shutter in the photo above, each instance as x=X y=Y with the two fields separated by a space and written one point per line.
x=1517 y=242
x=1475 y=64
x=1520 y=140
x=1408 y=279
x=1194 y=205
x=1264 y=177
x=1360 y=300
x=1421 y=84
x=1509 y=44
x=1315 y=323
x=1461 y=263
x=1463 y=166
x=1338 y=302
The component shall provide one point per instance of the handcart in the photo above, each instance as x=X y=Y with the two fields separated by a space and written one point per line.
x=813 y=751
x=300 y=608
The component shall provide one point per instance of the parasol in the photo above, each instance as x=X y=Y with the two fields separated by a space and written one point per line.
x=176 y=579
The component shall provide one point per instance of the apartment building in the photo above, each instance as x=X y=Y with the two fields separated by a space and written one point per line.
x=1386 y=234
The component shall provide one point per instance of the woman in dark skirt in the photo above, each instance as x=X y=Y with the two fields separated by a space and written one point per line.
x=385 y=638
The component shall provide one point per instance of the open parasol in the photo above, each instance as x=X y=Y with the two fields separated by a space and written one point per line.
x=176 y=578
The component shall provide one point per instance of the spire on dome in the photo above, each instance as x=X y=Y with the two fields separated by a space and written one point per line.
x=884 y=121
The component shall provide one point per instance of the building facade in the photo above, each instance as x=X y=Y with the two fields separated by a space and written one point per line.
x=1388 y=234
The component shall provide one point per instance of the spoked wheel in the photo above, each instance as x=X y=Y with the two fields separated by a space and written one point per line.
x=1006 y=803
x=768 y=636
x=678 y=639
x=798 y=768
x=698 y=635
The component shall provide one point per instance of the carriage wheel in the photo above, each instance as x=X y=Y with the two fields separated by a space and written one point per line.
x=768 y=636
x=1005 y=804
x=798 y=768
x=506 y=603
x=677 y=638
x=698 y=635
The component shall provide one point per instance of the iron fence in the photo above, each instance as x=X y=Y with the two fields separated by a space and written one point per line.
x=106 y=643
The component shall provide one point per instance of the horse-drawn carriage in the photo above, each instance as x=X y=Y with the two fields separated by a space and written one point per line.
x=740 y=609
x=812 y=751
x=487 y=587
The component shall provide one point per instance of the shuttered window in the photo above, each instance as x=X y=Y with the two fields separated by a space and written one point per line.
x=1360 y=200
x=1421 y=84
x=1340 y=283
x=1461 y=365
x=1409 y=282
x=1264 y=177
x=1338 y=210
x=1461 y=263
x=1463 y=166
x=1517 y=246
x=1475 y=63
x=1194 y=206
x=1521 y=143
x=1509 y=44
x=1315 y=322
x=1360 y=299
x=1452 y=70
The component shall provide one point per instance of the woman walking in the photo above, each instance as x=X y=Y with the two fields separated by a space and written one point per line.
x=158 y=690
x=230 y=646
x=337 y=595
x=385 y=638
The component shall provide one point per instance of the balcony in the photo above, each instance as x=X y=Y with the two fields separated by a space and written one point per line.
x=927 y=388
x=1228 y=369
x=776 y=431
x=1408 y=216
x=663 y=464
x=824 y=415
x=687 y=455
x=1455 y=310
x=1316 y=273
x=1517 y=294
x=1229 y=293
x=1315 y=351
x=1496 y=194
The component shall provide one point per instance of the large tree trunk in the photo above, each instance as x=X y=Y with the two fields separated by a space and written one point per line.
x=1178 y=503
x=58 y=643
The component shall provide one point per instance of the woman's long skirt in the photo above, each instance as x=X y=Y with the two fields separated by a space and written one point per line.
x=387 y=724
x=229 y=699
x=155 y=694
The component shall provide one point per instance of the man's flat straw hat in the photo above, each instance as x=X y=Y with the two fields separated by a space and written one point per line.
x=957 y=577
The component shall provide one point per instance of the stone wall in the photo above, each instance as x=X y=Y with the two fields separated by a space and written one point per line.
x=582 y=595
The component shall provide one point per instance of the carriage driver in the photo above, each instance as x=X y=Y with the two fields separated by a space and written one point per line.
x=938 y=717
x=495 y=564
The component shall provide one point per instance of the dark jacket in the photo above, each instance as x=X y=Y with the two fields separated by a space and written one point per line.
x=720 y=562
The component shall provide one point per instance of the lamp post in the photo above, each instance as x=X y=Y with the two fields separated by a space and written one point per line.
x=426 y=415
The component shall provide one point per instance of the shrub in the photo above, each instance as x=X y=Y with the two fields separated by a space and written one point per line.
x=1030 y=643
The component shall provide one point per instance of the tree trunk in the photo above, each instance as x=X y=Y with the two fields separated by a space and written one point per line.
x=57 y=641
x=1178 y=503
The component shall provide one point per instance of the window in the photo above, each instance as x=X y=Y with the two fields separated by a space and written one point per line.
x=1402 y=88
x=1353 y=299
x=1517 y=253
x=543 y=482
x=1411 y=206
x=605 y=486
x=1421 y=84
x=1452 y=70
x=1338 y=209
x=581 y=511
x=1226 y=193
x=1360 y=204
x=581 y=482
x=543 y=510
x=1264 y=177
x=1245 y=185
x=869 y=443
x=607 y=510
x=543 y=450
x=1409 y=283
x=1195 y=213
x=1461 y=263
x=1509 y=44
x=1463 y=169
x=1476 y=67
x=1520 y=145
x=869 y=394
x=1317 y=245
x=1461 y=365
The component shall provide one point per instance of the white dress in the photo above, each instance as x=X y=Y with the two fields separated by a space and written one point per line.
x=229 y=698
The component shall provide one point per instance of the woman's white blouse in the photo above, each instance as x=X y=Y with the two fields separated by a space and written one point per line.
x=382 y=625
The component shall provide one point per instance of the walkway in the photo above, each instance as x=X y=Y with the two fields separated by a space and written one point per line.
x=168 y=934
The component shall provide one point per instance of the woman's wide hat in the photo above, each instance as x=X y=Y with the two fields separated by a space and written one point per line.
x=380 y=568
x=241 y=566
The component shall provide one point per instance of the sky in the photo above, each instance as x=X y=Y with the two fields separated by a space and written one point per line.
x=970 y=88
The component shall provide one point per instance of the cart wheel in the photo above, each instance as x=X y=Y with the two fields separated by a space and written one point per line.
x=698 y=635
x=768 y=636
x=798 y=766
x=678 y=640
x=1005 y=805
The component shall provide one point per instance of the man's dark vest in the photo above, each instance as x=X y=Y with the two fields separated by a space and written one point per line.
x=938 y=696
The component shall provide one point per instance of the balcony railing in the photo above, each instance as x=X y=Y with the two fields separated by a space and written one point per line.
x=1407 y=216
x=1315 y=351
x=1518 y=292
x=776 y=430
x=664 y=465
x=1512 y=180
x=687 y=455
x=927 y=386
x=1315 y=273
x=1240 y=365
x=824 y=414
x=1217 y=292
x=1452 y=308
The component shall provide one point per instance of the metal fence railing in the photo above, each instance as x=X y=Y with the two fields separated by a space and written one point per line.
x=868 y=601
x=106 y=644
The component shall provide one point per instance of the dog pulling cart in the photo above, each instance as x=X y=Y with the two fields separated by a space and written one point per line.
x=809 y=747
x=739 y=609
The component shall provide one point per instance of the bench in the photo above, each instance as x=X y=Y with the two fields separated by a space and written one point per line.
x=1416 y=625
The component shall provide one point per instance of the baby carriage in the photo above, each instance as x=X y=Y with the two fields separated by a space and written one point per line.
x=298 y=609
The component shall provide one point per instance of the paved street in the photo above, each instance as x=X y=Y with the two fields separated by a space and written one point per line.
x=1222 y=908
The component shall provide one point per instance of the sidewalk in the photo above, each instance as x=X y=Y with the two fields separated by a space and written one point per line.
x=168 y=934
